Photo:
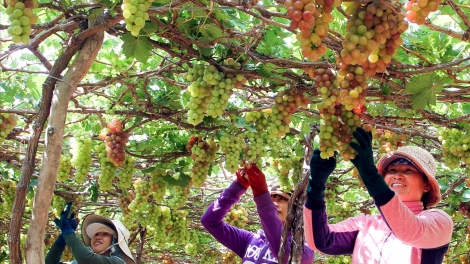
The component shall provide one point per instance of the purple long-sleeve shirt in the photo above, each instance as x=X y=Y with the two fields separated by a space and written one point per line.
x=262 y=247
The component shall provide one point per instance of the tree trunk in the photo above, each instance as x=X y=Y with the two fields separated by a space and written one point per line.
x=53 y=144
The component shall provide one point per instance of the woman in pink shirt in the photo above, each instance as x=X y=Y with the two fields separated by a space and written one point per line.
x=404 y=187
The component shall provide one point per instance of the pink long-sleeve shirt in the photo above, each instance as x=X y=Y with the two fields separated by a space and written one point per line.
x=402 y=233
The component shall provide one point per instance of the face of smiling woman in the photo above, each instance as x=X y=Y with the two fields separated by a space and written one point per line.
x=100 y=242
x=407 y=182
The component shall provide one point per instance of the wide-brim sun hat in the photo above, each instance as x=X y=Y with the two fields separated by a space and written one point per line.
x=423 y=161
x=277 y=190
x=100 y=223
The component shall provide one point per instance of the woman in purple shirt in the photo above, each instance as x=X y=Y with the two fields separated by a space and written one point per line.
x=262 y=247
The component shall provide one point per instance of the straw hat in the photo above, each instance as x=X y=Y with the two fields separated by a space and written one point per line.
x=95 y=223
x=421 y=159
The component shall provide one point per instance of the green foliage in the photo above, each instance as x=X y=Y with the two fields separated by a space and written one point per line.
x=424 y=88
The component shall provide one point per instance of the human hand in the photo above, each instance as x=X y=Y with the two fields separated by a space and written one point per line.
x=256 y=179
x=320 y=169
x=242 y=179
x=67 y=224
x=364 y=162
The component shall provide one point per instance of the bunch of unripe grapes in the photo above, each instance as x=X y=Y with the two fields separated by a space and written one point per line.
x=158 y=228
x=178 y=227
x=142 y=191
x=276 y=145
x=21 y=16
x=283 y=167
x=127 y=217
x=81 y=154
x=8 y=190
x=203 y=154
x=237 y=216
x=210 y=256
x=57 y=205
x=158 y=185
x=388 y=140
x=210 y=89
x=418 y=10
x=230 y=257
x=135 y=14
x=373 y=35
x=115 y=139
x=7 y=123
x=126 y=172
x=255 y=150
x=455 y=147
x=107 y=168
x=258 y=119
x=191 y=247
x=65 y=165
x=180 y=197
x=232 y=146
x=339 y=260
x=285 y=105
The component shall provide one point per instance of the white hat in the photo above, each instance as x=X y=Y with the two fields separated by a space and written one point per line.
x=424 y=161
x=95 y=223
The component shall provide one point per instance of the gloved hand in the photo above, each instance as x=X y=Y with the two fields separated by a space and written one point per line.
x=364 y=162
x=320 y=169
x=241 y=178
x=256 y=179
x=74 y=224
x=67 y=225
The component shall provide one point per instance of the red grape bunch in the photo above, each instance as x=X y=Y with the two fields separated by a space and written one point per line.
x=135 y=14
x=418 y=10
x=115 y=139
x=388 y=140
x=285 y=105
x=312 y=18
x=232 y=146
x=21 y=17
x=81 y=154
x=237 y=216
x=203 y=154
x=373 y=35
x=7 y=123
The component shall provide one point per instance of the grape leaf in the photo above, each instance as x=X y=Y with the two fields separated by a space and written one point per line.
x=210 y=31
x=94 y=193
x=139 y=48
x=263 y=71
x=424 y=88
x=466 y=108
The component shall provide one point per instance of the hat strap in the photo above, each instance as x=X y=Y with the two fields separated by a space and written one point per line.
x=117 y=243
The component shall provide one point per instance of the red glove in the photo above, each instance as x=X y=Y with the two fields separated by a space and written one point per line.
x=241 y=178
x=257 y=180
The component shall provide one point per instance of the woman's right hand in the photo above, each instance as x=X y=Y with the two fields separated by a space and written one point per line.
x=320 y=169
x=242 y=178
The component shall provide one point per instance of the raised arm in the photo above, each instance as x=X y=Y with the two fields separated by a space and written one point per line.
x=234 y=238
x=320 y=236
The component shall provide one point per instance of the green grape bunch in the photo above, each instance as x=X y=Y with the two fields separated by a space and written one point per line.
x=180 y=197
x=81 y=154
x=142 y=191
x=107 y=168
x=126 y=172
x=8 y=190
x=237 y=216
x=21 y=17
x=232 y=146
x=135 y=14
x=203 y=154
x=7 y=123
x=65 y=167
